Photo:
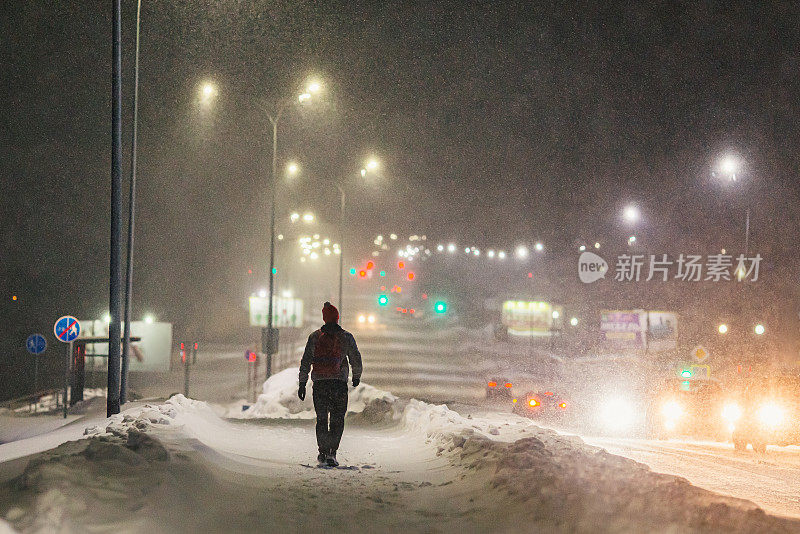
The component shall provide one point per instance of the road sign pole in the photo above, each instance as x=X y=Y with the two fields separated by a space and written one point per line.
x=35 y=374
x=186 y=363
x=67 y=368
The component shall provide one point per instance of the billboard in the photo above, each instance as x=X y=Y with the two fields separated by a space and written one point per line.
x=286 y=312
x=639 y=330
x=531 y=318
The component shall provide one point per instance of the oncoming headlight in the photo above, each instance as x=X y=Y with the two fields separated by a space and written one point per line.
x=770 y=414
x=617 y=414
x=671 y=410
x=731 y=412
x=362 y=318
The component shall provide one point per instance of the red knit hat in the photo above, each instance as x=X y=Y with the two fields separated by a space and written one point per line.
x=329 y=313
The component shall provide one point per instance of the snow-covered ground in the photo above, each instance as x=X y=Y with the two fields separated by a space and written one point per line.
x=181 y=466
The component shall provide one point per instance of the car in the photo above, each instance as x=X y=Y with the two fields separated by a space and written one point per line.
x=499 y=388
x=687 y=408
x=367 y=320
x=543 y=405
x=767 y=413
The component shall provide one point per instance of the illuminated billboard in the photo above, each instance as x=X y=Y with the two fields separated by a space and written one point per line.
x=531 y=318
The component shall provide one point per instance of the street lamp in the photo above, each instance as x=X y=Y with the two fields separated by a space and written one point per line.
x=759 y=329
x=630 y=214
x=292 y=168
x=521 y=252
x=723 y=329
x=274 y=119
x=729 y=167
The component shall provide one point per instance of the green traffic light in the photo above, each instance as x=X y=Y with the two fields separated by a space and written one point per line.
x=352 y=270
x=686 y=373
x=440 y=307
x=383 y=273
x=383 y=300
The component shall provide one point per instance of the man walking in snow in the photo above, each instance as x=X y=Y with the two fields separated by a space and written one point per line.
x=327 y=354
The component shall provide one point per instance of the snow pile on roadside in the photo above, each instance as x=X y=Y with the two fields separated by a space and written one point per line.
x=279 y=400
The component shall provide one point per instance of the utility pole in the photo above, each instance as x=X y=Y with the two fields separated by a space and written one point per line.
x=112 y=399
x=126 y=338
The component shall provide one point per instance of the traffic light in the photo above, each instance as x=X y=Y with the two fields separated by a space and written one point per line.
x=362 y=273
x=370 y=265
x=383 y=273
x=411 y=275
x=686 y=373
x=352 y=270
x=440 y=307
x=401 y=265
x=383 y=300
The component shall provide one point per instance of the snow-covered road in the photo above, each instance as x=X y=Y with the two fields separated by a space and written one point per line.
x=771 y=480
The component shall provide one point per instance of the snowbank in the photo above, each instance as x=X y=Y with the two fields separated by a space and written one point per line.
x=279 y=400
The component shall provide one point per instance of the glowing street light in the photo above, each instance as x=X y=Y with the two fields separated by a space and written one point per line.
x=292 y=168
x=451 y=248
x=207 y=93
x=574 y=321
x=501 y=255
x=729 y=166
x=521 y=252
x=308 y=218
x=149 y=319
x=582 y=248
x=630 y=214
x=759 y=329
x=632 y=240
x=539 y=247
x=723 y=328
x=294 y=217
x=597 y=245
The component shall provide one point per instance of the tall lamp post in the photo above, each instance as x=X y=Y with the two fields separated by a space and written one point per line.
x=274 y=119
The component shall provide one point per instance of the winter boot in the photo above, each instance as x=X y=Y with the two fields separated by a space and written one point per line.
x=321 y=458
x=331 y=459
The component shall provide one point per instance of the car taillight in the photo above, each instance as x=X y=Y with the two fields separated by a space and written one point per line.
x=492 y=384
x=533 y=403
x=508 y=384
x=548 y=393
x=563 y=405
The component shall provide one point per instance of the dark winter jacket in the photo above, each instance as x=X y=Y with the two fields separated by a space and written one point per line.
x=349 y=351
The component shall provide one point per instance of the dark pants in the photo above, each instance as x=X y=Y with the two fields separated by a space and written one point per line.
x=330 y=397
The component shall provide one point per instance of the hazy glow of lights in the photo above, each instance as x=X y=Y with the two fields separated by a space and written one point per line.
x=440 y=248
x=363 y=172
x=313 y=256
x=304 y=97
x=582 y=248
x=539 y=247
x=521 y=252
x=759 y=329
x=107 y=318
x=308 y=217
x=292 y=168
x=326 y=241
x=392 y=236
x=723 y=329
x=262 y=293
x=314 y=87
x=149 y=319
x=729 y=165
x=467 y=250
x=280 y=237
x=490 y=254
x=294 y=217
x=287 y=293
x=501 y=255
x=597 y=245
x=574 y=321
x=632 y=240
x=556 y=315
x=372 y=164
x=631 y=214
x=451 y=248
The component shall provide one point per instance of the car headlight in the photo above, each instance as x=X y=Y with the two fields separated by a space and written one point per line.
x=371 y=319
x=770 y=414
x=617 y=414
x=671 y=410
x=362 y=319
x=731 y=412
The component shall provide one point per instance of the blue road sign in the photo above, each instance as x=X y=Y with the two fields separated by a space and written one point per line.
x=36 y=343
x=67 y=329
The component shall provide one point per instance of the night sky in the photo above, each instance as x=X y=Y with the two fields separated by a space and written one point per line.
x=495 y=123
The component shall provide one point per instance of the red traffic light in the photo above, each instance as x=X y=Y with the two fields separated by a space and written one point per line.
x=182 y=346
x=195 y=346
x=362 y=273
x=411 y=275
